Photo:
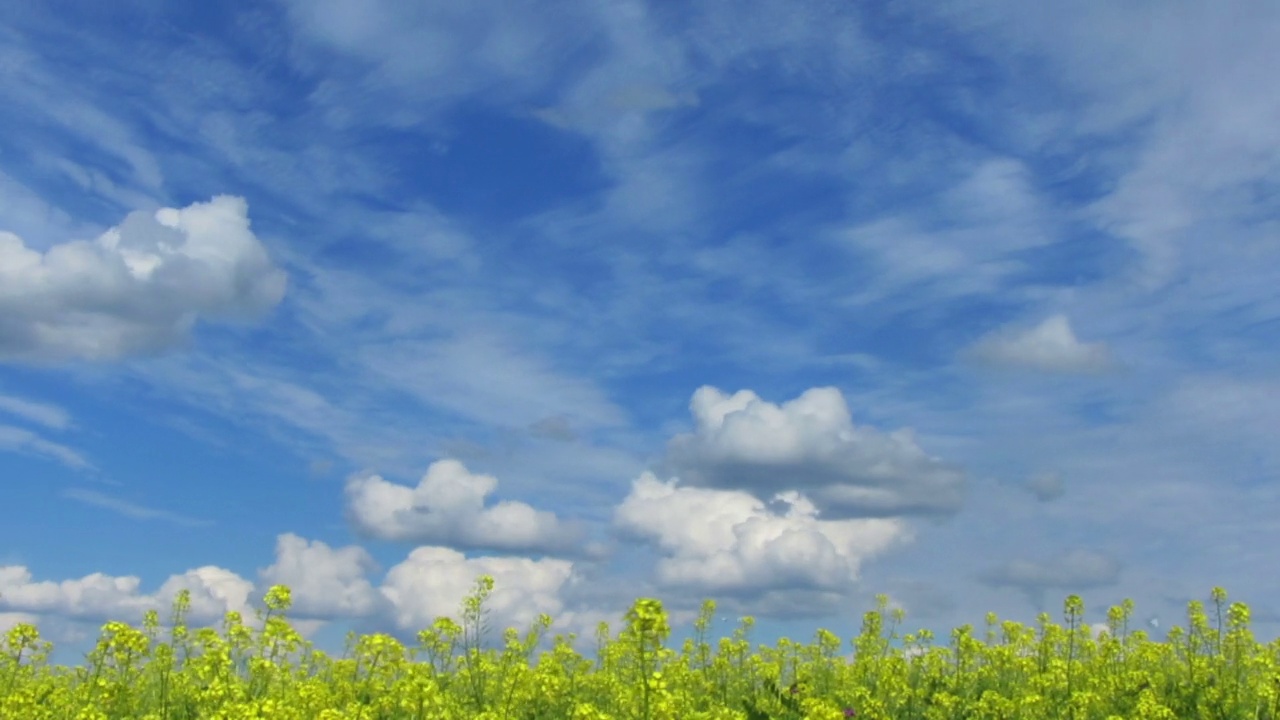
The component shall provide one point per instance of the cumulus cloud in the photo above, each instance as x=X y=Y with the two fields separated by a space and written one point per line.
x=325 y=582
x=330 y=583
x=138 y=288
x=1075 y=571
x=447 y=508
x=810 y=445
x=433 y=581
x=430 y=582
x=1050 y=346
x=214 y=591
x=729 y=541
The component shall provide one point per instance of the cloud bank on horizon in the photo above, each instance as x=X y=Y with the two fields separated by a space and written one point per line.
x=784 y=304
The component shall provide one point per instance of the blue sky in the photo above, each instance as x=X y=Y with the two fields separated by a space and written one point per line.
x=784 y=304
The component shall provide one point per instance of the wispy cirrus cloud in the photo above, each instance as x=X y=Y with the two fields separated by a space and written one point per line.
x=48 y=415
x=130 y=509
x=16 y=439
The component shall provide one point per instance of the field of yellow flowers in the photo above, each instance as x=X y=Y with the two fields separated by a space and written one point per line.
x=1050 y=671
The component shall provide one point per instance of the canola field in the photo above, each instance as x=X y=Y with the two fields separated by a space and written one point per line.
x=1210 y=671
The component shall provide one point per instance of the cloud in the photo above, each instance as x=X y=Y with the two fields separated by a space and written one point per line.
x=319 y=468
x=18 y=439
x=97 y=597
x=431 y=55
x=94 y=595
x=1230 y=410
x=214 y=592
x=128 y=509
x=810 y=444
x=51 y=416
x=729 y=541
x=8 y=620
x=325 y=582
x=485 y=376
x=1046 y=486
x=1072 y=572
x=556 y=427
x=447 y=508
x=966 y=241
x=138 y=288
x=1050 y=346
x=433 y=581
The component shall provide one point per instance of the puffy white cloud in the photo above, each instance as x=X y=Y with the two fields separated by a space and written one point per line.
x=138 y=288
x=433 y=581
x=1050 y=346
x=214 y=591
x=810 y=445
x=93 y=595
x=729 y=541
x=329 y=584
x=447 y=508
x=325 y=582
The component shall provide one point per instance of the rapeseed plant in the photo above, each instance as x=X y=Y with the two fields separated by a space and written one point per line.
x=1032 y=673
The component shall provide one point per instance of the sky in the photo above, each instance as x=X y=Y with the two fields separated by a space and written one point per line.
x=787 y=305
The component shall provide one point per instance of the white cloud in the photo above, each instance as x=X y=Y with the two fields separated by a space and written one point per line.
x=214 y=592
x=966 y=243
x=138 y=288
x=29 y=215
x=728 y=541
x=433 y=581
x=1050 y=346
x=95 y=595
x=1046 y=486
x=129 y=509
x=447 y=508
x=810 y=444
x=325 y=582
x=16 y=439
x=51 y=416
x=487 y=377
x=1227 y=410
x=8 y=620
x=434 y=54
